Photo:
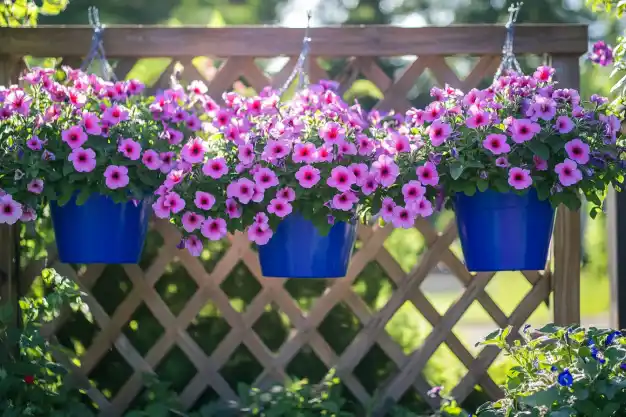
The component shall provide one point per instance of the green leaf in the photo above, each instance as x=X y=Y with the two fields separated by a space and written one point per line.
x=53 y=7
x=539 y=149
x=482 y=185
x=542 y=398
x=501 y=185
x=469 y=188
x=67 y=169
x=543 y=190
x=456 y=170
x=615 y=354
x=83 y=196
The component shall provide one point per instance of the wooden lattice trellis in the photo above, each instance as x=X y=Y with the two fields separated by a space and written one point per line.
x=240 y=47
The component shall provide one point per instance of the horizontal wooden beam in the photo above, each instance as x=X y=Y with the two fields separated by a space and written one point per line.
x=264 y=41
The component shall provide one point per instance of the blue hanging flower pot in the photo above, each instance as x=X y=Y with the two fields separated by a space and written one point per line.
x=100 y=231
x=297 y=250
x=504 y=231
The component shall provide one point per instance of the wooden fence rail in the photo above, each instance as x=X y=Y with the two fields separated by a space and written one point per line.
x=422 y=49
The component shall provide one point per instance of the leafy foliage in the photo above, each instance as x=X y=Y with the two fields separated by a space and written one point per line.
x=562 y=371
x=18 y=13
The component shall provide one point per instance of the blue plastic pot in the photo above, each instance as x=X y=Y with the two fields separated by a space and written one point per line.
x=504 y=231
x=297 y=250
x=100 y=231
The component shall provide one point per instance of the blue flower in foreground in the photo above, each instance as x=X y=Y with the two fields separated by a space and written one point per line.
x=553 y=368
x=622 y=366
x=565 y=378
x=597 y=355
x=611 y=337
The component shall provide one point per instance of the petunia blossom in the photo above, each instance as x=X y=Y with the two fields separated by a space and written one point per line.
x=308 y=176
x=265 y=178
x=413 y=190
x=578 y=151
x=10 y=210
x=438 y=132
x=564 y=124
x=130 y=149
x=35 y=186
x=260 y=233
x=151 y=160
x=523 y=130
x=204 y=200
x=427 y=174
x=116 y=176
x=84 y=160
x=496 y=144
x=402 y=217
x=194 y=245
x=519 y=178
x=287 y=194
x=215 y=168
x=385 y=170
x=191 y=221
x=332 y=132
x=344 y=201
x=279 y=207
x=341 y=178
x=568 y=172
x=214 y=228
x=194 y=151
x=75 y=136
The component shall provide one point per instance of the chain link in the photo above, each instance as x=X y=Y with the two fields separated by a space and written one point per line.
x=96 y=51
x=509 y=61
x=301 y=68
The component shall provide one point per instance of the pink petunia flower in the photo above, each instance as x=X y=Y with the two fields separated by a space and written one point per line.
x=438 y=132
x=540 y=164
x=91 y=124
x=261 y=218
x=215 y=168
x=260 y=233
x=194 y=245
x=402 y=217
x=130 y=149
x=477 y=119
x=544 y=73
x=151 y=160
x=114 y=115
x=192 y=221
x=564 y=124
x=366 y=146
x=84 y=160
x=75 y=137
x=34 y=143
x=332 y=133
x=387 y=208
x=279 y=207
x=421 y=207
x=10 y=210
x=242 y=190
x=287 y=194
x=174 y=178
x=568 y=171
x=399 y=143
x=275 y=150
x=324 y=154
x=35 y=186
x=116 y=176
x=214 y=229
x=341 y=178
x=496 y=143
x=204 y=200
x=19 y=102
x=369 y=184
x=258 y=195
x=427 y=174
x=578 y=151
x=385 y=170
x=265 y=178
x=308 y=176
x=28 y=214
x=233 y=209
x=344 y=201
x=413 y=190
x=519 y=178
x=174 y=201
x=304 y=153
x=543 y=108
x=246 y=154
x=360 y=172
x=502 y=162
x=523 y=130
x=193 y=151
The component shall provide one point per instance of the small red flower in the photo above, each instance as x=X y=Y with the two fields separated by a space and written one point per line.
x=29 y=379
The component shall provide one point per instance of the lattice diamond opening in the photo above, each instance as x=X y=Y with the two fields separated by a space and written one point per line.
x=241 y=287
x=340 y=327
x=305 y=292
x=77 y=333
x=373 y=286
x=176 y=368
x=112 y=287
x=242 y=367
x=408 y=327
x=176 y=287
x=208 y=328
x=273 y=327
x=375 y=369
x=111 y=373
x=306 y=364
x=143 y=329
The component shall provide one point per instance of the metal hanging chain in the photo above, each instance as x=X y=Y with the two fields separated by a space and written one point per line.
x=301 y=68
x=509 y=61
x=96 y=51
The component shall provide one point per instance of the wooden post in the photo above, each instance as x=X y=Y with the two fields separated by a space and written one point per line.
x=9 y=235
x=567 y=235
